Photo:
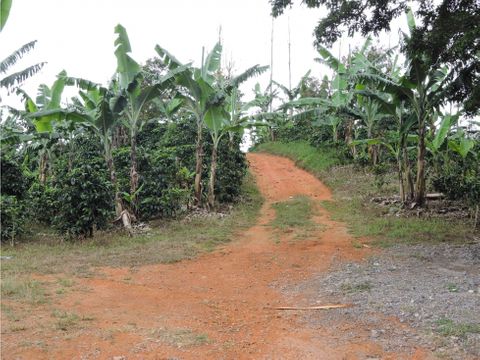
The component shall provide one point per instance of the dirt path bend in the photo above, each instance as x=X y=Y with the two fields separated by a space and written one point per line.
x=216 y=306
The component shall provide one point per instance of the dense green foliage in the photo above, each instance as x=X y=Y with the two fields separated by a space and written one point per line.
x=136 y=149
x=84 y=198
x=459 y=178
x=380 y=114
x=77 y=197
x=14 y=186
x=448 y=34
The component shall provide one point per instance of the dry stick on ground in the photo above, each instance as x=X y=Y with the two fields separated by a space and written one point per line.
x=322 y=307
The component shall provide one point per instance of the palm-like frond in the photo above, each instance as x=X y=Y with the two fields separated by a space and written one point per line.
x=212 y=62
x=19 y=77
x=307 y=102
x=12 y=59
x=307 y=114
x=83 y=84
x=127 y=68
x=330 y=60
x=167 y=58
x=285 y=90
x=44 y=95
x=247 y=74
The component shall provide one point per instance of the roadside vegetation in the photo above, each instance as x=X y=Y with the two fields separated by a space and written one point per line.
x=164 y=241
x=354 y=187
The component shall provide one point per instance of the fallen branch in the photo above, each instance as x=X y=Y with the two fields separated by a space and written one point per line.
x=321 y=307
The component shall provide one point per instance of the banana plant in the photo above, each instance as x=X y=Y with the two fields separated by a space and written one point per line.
x=203 y=95
x=434 y=145
x=271 y=119
x=292 y=94
x=97 y=109
x=226 y=119
x=43 y=114
x=423 y=90
x=132 y=97
x=461 y=144
x=198 y=94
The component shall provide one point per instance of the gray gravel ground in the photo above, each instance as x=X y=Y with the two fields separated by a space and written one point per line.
x=434 y=290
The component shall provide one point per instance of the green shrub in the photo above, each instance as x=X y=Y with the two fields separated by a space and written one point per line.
x=42 y=203
x=12 y=217
x=84 y=198
x=14 y=185
x=459 y=179
x=166 y=184
x=13 y=180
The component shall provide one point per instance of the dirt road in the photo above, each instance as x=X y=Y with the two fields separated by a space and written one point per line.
x=217 y=306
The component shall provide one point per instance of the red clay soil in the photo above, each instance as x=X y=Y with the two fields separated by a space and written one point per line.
x=217 y=306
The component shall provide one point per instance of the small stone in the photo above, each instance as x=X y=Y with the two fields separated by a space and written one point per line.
x=374 y=333
x=471 y=291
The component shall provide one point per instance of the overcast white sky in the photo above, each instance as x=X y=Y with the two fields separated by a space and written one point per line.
x=77 y=35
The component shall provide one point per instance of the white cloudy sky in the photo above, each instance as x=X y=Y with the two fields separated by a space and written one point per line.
x=77 y=35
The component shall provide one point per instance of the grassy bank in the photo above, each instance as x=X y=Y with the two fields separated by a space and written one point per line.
x=165 y=242
x=353 y=188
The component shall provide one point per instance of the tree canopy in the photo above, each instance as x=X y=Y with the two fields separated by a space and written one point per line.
x=447 y=33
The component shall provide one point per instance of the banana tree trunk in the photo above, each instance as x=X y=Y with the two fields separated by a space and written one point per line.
x=211 y=182
x=113 y=180
x=199 y=164
x=408 y=175
x=272 y=134
x=349 y=137
x=133 y=170
x=372 y=149
x=420 y=181
x=42 y=171
x=400 y=179
x=120 y=137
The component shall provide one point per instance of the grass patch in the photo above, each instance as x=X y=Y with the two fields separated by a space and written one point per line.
x=355 y=288
x=452 y=287
x=180 y=337
x=167 y=242
x=304 y=155
x=64 y=282
x=447 y=327
x=65 y=321
x=24 y=290
x=353 y=188
x=296 y=212
x=366 y=220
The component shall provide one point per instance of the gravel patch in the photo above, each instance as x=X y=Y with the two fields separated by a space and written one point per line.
x=406 y=297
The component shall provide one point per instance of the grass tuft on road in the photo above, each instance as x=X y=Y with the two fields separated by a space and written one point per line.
x=294 y=213
x=448 y=327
